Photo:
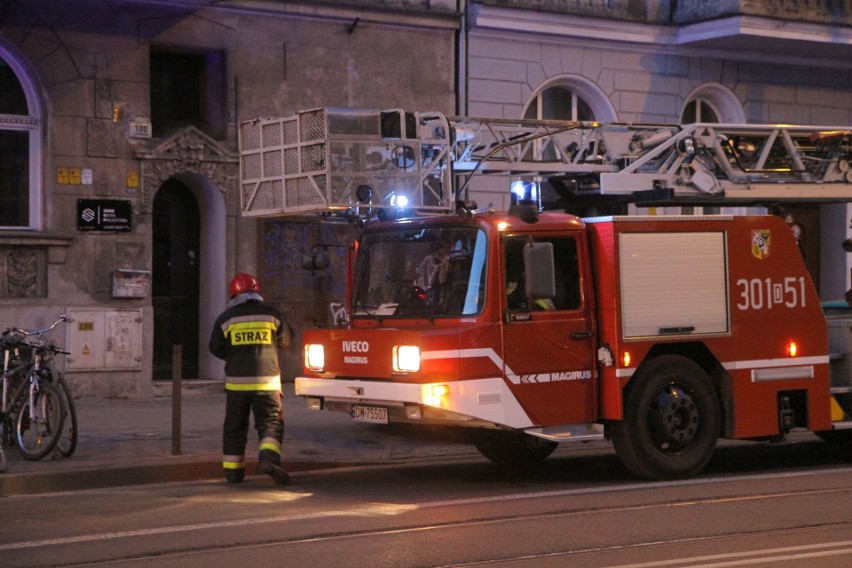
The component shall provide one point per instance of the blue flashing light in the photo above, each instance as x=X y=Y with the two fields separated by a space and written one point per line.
x=525 y=190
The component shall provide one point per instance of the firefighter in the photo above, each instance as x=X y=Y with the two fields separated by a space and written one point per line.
x=247 y=336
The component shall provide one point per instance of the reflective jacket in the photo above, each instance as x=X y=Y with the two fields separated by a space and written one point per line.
x=247 y=336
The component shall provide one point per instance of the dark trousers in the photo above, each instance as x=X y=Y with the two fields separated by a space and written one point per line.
x=268 y=421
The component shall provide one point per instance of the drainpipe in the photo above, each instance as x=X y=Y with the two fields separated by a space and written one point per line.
x=462 y=9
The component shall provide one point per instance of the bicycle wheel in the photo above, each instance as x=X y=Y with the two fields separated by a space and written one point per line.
x=68 y=439
x=2 y=459
x=38 y=428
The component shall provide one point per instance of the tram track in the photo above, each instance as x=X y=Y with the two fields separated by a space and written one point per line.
x=467 y=518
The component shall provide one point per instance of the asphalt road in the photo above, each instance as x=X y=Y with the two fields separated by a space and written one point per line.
x=780 y=506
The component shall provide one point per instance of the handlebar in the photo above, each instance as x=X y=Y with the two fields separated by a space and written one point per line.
x=15 y=336
x=30 y=332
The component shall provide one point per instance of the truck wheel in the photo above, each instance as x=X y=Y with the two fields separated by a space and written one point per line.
x=671 y=420
x=512 y=449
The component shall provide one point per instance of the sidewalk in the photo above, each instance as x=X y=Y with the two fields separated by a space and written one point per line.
x=130 y=441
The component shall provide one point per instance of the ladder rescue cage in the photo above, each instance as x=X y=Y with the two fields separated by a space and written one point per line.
x=327 y=160
x=359 y=161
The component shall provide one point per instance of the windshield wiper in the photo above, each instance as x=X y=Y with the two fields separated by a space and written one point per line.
x=367 y=309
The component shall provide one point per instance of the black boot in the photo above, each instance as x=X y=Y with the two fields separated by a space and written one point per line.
x=270 y=464
x=235 y=475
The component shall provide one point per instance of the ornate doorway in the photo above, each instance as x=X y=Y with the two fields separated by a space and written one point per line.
x=205 y=174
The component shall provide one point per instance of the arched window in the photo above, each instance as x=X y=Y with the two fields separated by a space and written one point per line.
x=570 y=98
x=20 y=148
x=712 y=103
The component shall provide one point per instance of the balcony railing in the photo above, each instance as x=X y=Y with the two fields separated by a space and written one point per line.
x=837 y=12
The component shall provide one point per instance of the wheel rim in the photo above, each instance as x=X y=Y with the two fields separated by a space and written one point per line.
x=673 y=419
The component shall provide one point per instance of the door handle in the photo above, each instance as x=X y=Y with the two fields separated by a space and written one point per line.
x=581 y=334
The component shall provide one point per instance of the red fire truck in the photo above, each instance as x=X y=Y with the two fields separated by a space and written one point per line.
x=661 y=334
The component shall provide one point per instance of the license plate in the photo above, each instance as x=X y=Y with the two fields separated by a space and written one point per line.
x=372 y=414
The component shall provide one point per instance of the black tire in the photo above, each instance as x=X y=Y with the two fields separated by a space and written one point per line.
x=2 y=459
x=37 y=435
x=67 y=443
x=672 y=420
x=512 y=449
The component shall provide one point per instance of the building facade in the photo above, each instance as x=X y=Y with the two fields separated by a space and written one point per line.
x=728 y=61
x=119 y=200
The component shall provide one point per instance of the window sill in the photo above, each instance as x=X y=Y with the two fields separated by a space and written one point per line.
x=56 y=245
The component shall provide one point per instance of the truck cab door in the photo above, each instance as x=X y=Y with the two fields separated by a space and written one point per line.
x=549 y=342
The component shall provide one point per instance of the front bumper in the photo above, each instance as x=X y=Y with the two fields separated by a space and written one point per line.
x=478 y=402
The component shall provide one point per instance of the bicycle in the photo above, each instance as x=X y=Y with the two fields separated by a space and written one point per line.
x=32 y=412
x=67 y=443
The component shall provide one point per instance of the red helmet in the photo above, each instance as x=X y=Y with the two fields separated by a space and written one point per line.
x=243 y=282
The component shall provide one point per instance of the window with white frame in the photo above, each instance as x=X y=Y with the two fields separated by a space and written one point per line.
x=570 y=97
x=712 y=103
x=20 y=149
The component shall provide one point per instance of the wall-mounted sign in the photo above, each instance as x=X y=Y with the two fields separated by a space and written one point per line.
x=103 y=215
x=139 y=128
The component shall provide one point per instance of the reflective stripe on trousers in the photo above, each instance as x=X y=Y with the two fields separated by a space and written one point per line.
x=245 y=384
x=234 y=462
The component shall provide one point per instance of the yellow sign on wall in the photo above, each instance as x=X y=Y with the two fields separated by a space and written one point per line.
x=74 y=176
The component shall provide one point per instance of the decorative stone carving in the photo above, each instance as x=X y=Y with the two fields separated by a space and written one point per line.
x=832 y=12
x=23 y=272
x=187 y=151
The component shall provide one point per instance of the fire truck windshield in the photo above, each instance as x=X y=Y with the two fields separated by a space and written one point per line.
x=422 y=272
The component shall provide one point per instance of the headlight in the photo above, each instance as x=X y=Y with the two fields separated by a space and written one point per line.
x=406 y=358
x=314 y=357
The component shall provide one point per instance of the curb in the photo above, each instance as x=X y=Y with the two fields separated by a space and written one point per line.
x=85 y=479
